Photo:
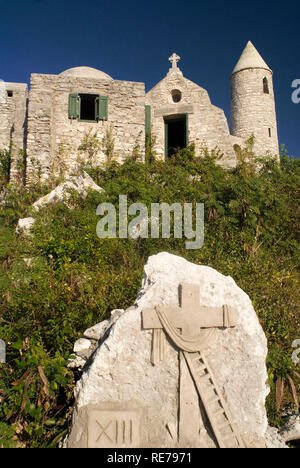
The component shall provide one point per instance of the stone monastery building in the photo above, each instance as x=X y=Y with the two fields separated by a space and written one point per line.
x=50 y=122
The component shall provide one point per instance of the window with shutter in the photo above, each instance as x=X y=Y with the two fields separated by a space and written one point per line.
x=87 y=107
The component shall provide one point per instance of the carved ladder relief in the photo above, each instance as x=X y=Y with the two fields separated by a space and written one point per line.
x=198 y=325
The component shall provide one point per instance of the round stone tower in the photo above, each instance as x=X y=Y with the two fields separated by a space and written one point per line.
x=252 y=102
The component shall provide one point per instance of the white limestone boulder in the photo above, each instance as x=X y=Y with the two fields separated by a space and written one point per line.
x=122 y=383
x=274 y=440
x=62 y=193
x=24 y=225
x=85 y=346
x=76 y=362
x=291 y=429
x=97 y=331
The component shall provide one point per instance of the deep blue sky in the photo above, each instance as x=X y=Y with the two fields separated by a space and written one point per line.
x=132 y=40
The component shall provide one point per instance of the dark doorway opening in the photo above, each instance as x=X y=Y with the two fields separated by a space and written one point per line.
x=175 y=134
x=88 y=107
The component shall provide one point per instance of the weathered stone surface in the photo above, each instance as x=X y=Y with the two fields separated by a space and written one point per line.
x=76 y=362
x=83 y=348
x=115 y=314
x=97 y=331
x=207 y=124
x=81 y=184
x=291 y=429
x=111 y=427
x=274 y=439
x=24 y=225
x=13 y=106
x=121 y=374
x=53 y=139
x=252 y=109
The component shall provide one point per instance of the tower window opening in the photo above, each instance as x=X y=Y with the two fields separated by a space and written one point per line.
x=10 y=93
x=270 y=132
x=266 y=86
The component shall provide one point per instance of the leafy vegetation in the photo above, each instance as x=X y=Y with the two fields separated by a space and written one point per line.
x=5 y=162
x=63 y=279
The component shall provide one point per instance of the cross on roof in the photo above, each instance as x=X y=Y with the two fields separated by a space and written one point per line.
x=174 y=59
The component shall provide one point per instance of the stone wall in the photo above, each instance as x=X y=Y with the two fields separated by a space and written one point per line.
x=253 y=111
x=53 y=138
x=13 y=108
x=207 y=124
x=41 y=124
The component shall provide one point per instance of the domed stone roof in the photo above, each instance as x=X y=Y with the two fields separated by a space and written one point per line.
x=86 y=72
x=250 y=58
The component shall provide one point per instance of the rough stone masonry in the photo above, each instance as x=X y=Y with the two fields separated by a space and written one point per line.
x=183 y=367
x=50 y=124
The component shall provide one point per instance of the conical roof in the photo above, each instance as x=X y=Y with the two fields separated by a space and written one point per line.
x=250 y=58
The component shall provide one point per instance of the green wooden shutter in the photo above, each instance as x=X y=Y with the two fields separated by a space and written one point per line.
x=73 y=106
x=101 y=108
x=186 y=130
x=148 y=121
x=166 y=139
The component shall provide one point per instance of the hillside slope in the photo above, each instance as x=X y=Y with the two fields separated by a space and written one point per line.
x=74 y=279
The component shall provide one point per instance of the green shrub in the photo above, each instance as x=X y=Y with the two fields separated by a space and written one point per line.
x=6 y=436
x=75 y=279
x=5 y=163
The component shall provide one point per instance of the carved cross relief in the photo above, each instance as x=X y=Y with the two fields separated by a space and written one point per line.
x=190 y=318
x=191 y=328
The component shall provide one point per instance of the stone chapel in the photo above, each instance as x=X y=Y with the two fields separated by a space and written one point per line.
x=60 y=109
